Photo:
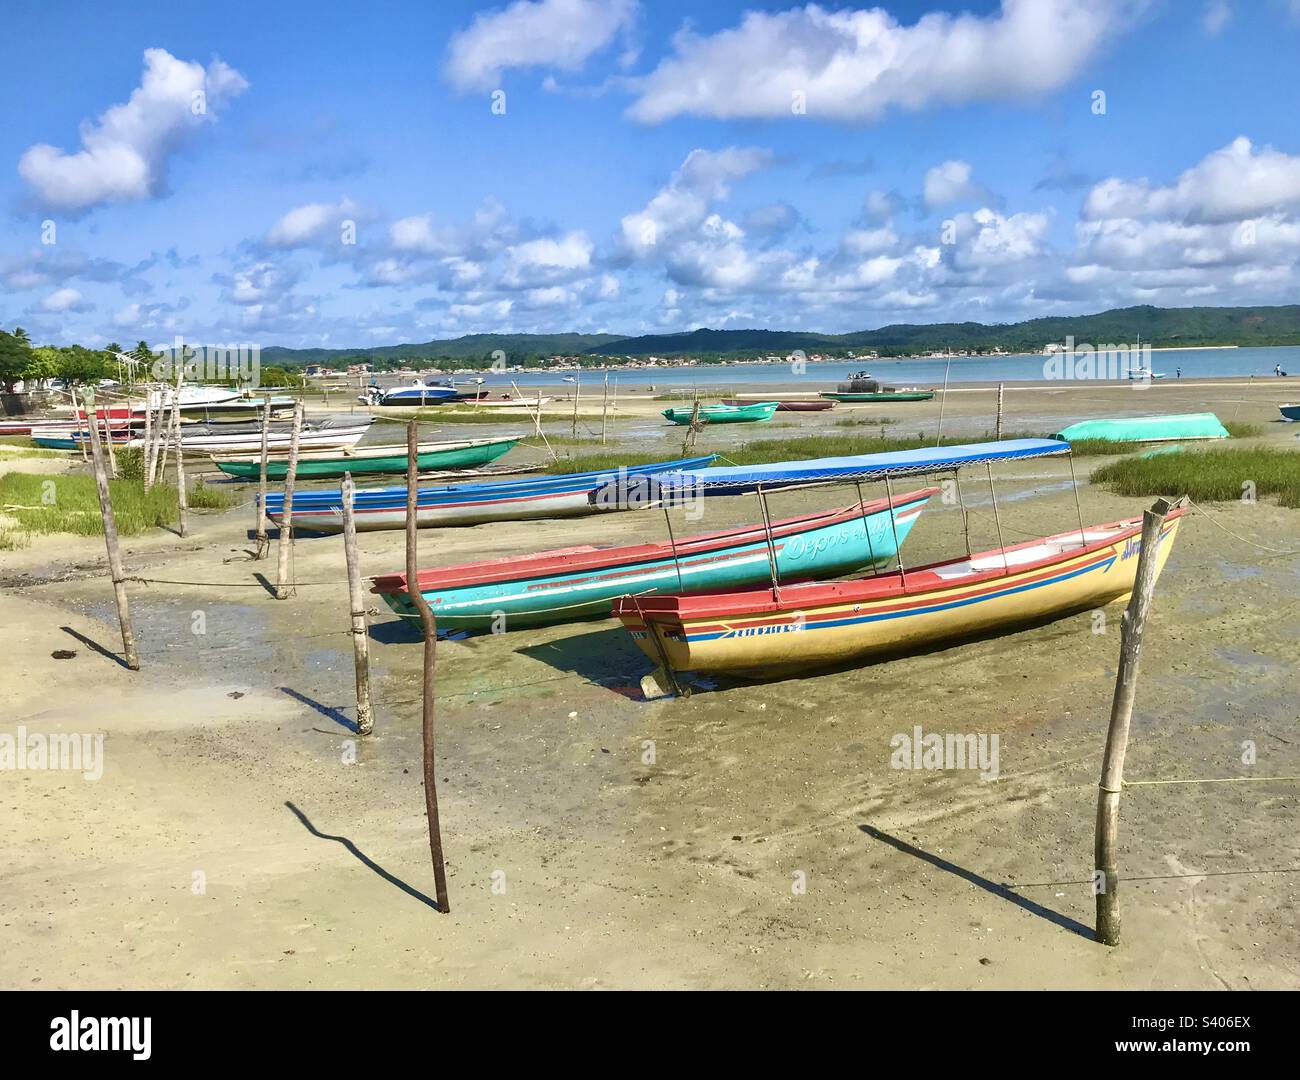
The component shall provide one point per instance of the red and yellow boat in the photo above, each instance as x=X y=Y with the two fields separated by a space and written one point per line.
x=797 y=628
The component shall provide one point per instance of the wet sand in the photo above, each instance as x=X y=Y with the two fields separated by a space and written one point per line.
x=241 y=836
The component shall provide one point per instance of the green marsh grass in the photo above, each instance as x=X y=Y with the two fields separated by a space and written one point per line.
x=70 y=504
x=1209 y=475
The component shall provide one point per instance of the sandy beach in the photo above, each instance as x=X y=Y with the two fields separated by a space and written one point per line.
x=750 y=835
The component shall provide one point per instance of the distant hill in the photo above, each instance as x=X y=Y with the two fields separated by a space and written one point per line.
x=1159 y=326
x=469 y=347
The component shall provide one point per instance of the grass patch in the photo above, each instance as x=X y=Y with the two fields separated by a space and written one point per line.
x=1218 y=475
x=1241 y=429
x=25 y=447
x=70 y=504
x=12 y=540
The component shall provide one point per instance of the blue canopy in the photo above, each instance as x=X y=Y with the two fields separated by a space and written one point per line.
x=739 y=479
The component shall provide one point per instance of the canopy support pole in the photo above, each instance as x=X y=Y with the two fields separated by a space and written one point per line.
x=866 y=528
x=1074 y=483
x=771 y=545
x=672 y=543
x=898 y=548
x=997 y=518
x=965 y=514
x=938 y=438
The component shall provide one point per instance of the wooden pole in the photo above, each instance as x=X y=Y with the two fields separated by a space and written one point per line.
x=282 y=589
x=147 y=450
x=114 y=555
x=263 y=544
x=1105 y=874
x=76 y=427
x=577 y=393
x=356 y=600
x=943 y=402
x=182 y=497
x=999 y=428
x=604 y=409
x=430 y=629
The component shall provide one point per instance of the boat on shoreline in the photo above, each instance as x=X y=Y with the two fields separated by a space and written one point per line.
x=755 y=413
x=788 y=404
x=565 y=495
x=1290 y=413
x=388 y=458
x=582 y=582
x=1179 y=427
x=850 y=397
x=807 y=627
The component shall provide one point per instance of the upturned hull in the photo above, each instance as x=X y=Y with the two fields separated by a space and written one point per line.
x=725 y=414
x=901 y=395
x=816 y=626
x=578 y=583
x=462 y=456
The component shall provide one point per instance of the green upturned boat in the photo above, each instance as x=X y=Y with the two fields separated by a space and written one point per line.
x=878 y=395
x=370 y=459
x=1175 y=428
x=726 y=414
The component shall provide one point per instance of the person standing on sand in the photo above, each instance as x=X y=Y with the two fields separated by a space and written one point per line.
x=1178 y=373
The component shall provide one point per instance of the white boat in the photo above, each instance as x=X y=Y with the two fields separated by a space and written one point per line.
x=1144 y=373
x=511 y=403
x=191 y=397
x=221 y=442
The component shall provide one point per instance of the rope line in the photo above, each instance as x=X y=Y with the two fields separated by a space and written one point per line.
x=1212 y=780
x=1238 y=536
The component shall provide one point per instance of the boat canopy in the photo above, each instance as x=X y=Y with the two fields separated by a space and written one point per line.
x=1148 y=428
x=741 y=479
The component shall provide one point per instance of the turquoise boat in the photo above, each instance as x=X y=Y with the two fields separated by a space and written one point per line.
x=726 y=414
x=582 y=582
x=1176 y=428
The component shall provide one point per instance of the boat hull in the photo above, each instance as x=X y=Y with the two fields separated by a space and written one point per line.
x=788 y=406
x=1289 y=412
x=818 y=626
x=726 y=414
x=463 y=504
x=460 y=455
x=579 y=583
x=901 y=395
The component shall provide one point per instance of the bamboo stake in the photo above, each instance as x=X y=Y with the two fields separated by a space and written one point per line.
x=999 y=428
x=182 y=498
x=1105 y=874
x=263 y=544
x=604 y=409
x=162 y=439
x=430 y=630
x=282 y=589
x=147 y=450
x=356 y=600
x=577 y=392
x=76 y=429
x=114 y=555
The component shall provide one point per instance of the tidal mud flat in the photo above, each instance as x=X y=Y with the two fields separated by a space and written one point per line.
x=752 y=834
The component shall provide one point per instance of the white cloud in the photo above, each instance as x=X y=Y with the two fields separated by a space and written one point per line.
x=950 y=182
x=1235 y=182
x=853 y=65
x=561 y=34
x=124 y=154
x=64 y=300
x=1215 y=17
x=548 y=260
x=312 y=223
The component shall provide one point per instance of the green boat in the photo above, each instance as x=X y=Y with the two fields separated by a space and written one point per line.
x=369 y=459
x=1175 y=428
x=726 y=414
x=878 y=395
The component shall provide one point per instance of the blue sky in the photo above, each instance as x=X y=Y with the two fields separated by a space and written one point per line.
x=323 y=174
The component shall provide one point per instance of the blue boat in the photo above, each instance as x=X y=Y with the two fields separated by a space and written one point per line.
x=463 y=504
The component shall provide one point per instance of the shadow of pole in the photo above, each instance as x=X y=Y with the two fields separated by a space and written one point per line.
x=1001 y=891
x=95 y=646
x=325 y=710
x=363 y=858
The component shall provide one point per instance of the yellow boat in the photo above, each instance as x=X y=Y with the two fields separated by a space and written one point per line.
x=808 y=626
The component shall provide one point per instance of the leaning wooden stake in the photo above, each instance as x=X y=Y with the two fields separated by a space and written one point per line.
x=430 y=630
x=1105 y=875
x=357 y=602
x=114 y=555
x=262 y=543
x=89 y=422
x=146 y=450
x=182 y=497
x=282 y=589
